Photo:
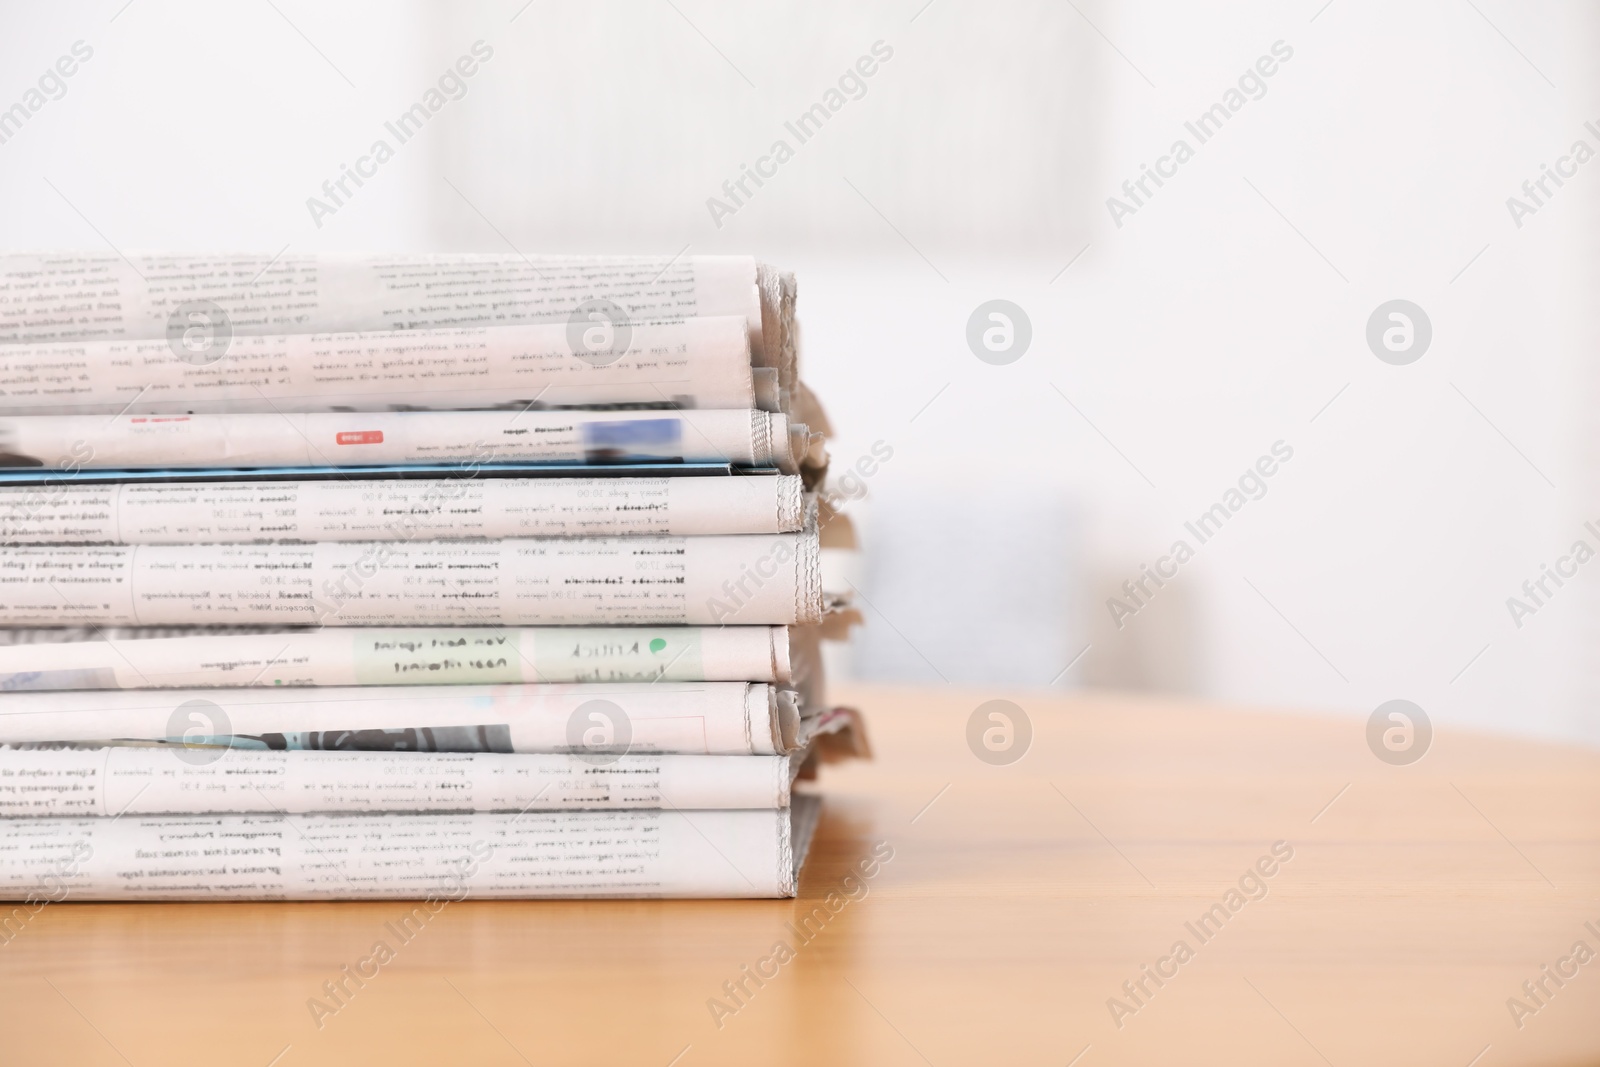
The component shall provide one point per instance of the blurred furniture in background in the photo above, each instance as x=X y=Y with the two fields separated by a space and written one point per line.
x=971 y=584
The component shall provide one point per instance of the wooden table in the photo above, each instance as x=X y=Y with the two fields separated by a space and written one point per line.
x=1018 y=901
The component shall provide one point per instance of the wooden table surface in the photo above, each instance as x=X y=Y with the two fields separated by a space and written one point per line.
x=1017 y=902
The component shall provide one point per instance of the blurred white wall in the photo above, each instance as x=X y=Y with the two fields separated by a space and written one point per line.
x=207 y=126
x=1228 y=313
x=613 y=124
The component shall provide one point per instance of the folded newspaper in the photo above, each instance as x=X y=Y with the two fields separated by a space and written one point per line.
x=442 y=576
x=745 y=580
x=702 y=718
x=408 y=856
x=416 y=655
x=381 y=509
x=745 y=438
x=57 y=781
x=199 y=303
x=697 y=363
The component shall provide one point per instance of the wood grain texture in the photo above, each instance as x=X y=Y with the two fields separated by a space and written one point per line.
x=1017 y=902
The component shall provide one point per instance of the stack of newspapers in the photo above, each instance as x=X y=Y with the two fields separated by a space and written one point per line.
x=407 y=576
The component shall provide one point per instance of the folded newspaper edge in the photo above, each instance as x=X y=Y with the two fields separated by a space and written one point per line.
x=66 y=781
x=696 y=363
x=706 y=718
x=778 y=293
x=436 y=858
x=742 y=437
x=200 y=303
x=740 y=580
x=424 y=656
x=377 y=509
x=112 y=779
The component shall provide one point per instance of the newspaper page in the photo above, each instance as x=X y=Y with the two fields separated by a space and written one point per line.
x=72 y=443
x=698 y=363
x=381 y=509
x=117 y=781
x=770 y=580
x=435 y=858
x=704 y=718
x=80 y=296
x=405 y=656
